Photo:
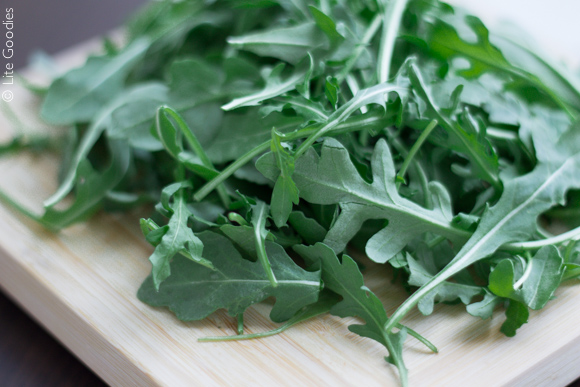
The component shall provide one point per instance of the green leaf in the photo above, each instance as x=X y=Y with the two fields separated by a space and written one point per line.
x=445 y=42
x=243 y=236
x=484 y=308
x=446 y=292
x=239 y=133
x=326 y=300
x=275 y=86
x=516 y=315
x=346 y=280
x=309 y=229
x=259 y=216
x=193 y=82
x=332 y=90
x=168 y=134
x=332 y=178
x=514 y=216
x=132 y=120
x=100 y=122
x=193 y=292
x=91 y=187
x=289 y=44
x=80 y=94
x=285 y=193
x=525 y=56
x=470 y=141
x=327 y=25
x=540 y=279
x=378 y=95
x=308 y=109
x=501 y=279
x=178 y=238
x=193 y=163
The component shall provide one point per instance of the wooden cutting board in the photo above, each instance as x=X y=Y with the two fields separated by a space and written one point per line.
x=81 y=284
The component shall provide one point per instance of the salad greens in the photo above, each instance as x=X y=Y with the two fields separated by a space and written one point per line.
x=275 y=136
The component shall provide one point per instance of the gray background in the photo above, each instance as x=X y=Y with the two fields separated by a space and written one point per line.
x=53 y=25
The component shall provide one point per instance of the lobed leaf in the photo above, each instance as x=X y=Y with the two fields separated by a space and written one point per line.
x=234 y=285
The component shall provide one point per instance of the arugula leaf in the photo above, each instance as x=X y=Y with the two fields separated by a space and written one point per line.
x=445 y=42
x=244 y=237
x=177 y=236
x=332 y=178
x=259 y=216
x=327 y=25
x=378 y=94
x=274 y=87
x=290 y=44
x=309 y=229
x=132 y=120
x=446 y=292
x=91 y=187
x=540 y=279
x=80 y=94
x=239 y=133
x=325 y=302
x=332 y=91
x=346 y=280
x=235 y=284
x=513 y=218
x=471 y=141
x=484 y=308
x=526 y=57
x=98 y=125
x=285 y=192
x=516 y=315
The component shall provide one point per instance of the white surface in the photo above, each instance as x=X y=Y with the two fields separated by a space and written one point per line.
x=553 y=24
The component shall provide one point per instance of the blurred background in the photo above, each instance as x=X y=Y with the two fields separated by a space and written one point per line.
x=31 y=357
x=54 y=25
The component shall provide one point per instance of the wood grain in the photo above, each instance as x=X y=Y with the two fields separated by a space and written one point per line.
x=81 y=285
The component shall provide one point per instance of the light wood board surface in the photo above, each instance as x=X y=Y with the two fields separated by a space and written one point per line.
x=81 y=285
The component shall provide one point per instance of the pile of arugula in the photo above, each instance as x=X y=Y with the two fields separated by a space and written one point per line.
x=276 y=134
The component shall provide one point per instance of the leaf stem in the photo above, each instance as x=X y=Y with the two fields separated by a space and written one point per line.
x=392 y=14
x=259 y=215
x=354 y=88
x=419 y=337
x=241 y=323
x=150 y=225
x=23 y=210
x=572 y=235
x=410 y=302
x=368 y=36
x=229 y=170
x=195 y=145
x=487 y=168
x=363 y=98
x=527 y=271
x=415 y=149
x=344 y=127
x=400 y=147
